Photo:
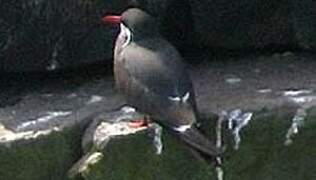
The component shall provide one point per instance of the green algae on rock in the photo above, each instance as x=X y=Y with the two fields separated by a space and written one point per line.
x=47 y=156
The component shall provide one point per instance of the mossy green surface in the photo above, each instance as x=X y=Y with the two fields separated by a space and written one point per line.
x=263 y=156
x=133 y=157
x=46 y=158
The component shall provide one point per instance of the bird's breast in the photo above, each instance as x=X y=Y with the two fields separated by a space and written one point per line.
x=118 y=46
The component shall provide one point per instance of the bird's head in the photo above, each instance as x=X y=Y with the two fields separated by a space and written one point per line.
x=134 y=21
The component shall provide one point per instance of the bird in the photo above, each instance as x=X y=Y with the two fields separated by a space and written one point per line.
x=152 y=76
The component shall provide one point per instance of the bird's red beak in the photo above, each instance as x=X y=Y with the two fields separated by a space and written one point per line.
x=111 y=19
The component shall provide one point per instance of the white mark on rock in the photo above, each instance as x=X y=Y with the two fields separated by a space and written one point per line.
x=128 y=109
x=241 y=123
x=264 y=91
x=237 y=120
x=46 y=118
x=91 y=159
x=157 y=138
x=177 y=99
x=233 y=80
x=186 y=97
x=52 y=65
x=297 y=121
x=26 y=124
x=303 y=99
x=219 y=169
x=51 y=115
x=8 y=136
x=182 y=99
x=302 y=96
x=220 y=173
x=95 y=99
x=232 y=116
x=182 y=128
x=297 y=92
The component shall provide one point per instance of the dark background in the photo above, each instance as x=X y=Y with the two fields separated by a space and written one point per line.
x=42 y=35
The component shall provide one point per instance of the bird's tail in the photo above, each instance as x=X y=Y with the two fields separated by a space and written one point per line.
x=198 y=141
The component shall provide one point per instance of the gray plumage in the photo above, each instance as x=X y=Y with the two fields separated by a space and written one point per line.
x=150 y=73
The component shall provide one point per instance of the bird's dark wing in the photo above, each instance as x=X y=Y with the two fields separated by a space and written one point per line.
x=161 y=85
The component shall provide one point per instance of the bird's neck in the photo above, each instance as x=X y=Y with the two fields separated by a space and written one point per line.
x=124 y=38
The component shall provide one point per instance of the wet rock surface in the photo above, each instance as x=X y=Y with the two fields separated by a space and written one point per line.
x=49 y=99
x=255 y=82
x=42 y=130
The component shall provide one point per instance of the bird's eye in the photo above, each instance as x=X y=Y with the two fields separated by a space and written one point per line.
x=125 y=37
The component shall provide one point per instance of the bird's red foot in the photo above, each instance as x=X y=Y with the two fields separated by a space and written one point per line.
x=138 y=123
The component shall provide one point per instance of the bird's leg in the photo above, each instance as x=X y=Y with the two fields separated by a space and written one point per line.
x=139 y=122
